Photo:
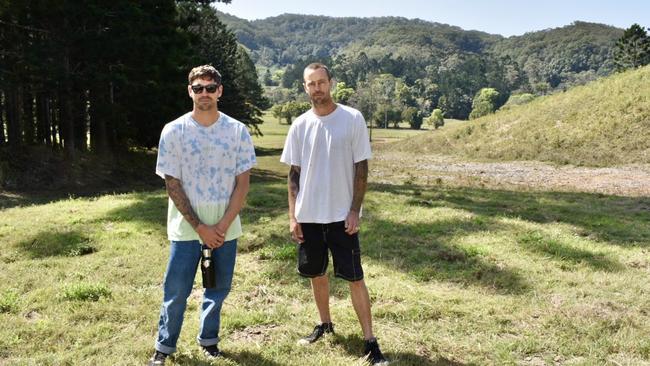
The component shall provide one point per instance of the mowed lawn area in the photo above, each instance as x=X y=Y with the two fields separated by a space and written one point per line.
x=457 y=276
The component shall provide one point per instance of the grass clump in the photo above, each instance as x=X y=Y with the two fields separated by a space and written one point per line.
x=9 y=301
x=86 y=292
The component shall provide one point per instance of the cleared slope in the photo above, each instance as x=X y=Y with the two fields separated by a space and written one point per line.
x=606 y=122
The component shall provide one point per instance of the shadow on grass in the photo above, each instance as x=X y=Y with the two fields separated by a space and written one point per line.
x=267 y=151
x=421 y=250
x=267 y=176
x=149 y=208
x=417 y=249
x=51 y=244
x=241 y=358
x=353 y=345
x=537 y=242
x=617 y=220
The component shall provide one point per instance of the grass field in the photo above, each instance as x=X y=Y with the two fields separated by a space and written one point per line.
x=457 y=276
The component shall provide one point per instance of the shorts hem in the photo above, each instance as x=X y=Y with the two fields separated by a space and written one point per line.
x=311 y=275
x=349 y=279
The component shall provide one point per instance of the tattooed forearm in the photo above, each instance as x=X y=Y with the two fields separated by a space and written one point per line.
x=360 y=184
x=293 y=184
x=178 y=196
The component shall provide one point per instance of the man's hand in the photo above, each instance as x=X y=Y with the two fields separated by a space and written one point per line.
x=352 y=222
x=296 y=231
x=211 y=235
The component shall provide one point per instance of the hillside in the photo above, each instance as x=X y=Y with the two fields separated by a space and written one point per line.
x=286 y=39
x=604 y=123
x=412 y=48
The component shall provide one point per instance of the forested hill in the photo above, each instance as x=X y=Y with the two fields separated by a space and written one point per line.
x=288 y=38
x=413 y=49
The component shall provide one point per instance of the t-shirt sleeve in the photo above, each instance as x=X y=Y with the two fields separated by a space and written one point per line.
x=361 y=144
x=291 y=151
x=169 y=157
x=246 y=153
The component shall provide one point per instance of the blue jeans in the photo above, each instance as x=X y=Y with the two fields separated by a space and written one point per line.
x=183 y=261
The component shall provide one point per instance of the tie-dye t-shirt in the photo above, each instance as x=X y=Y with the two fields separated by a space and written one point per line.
x=206 y=160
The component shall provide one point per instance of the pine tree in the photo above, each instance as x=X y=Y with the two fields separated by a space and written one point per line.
x=632 y=49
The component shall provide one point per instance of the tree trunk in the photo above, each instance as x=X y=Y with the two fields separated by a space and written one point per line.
x=14 y=117
x=43 y=120
x=99 y=108
x=65 y=104
x=80 y=121
x=29 y=126
x=55 y=112
x=3 y=108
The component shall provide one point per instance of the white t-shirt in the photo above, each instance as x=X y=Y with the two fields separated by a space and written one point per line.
x=326 y=149
x=206 y=160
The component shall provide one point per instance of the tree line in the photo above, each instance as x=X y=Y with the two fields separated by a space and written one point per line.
x=102 y=76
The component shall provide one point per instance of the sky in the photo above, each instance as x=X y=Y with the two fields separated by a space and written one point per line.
x=504 y=17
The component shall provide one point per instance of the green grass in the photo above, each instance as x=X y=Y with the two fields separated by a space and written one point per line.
x=604 y=123
x=457 y=276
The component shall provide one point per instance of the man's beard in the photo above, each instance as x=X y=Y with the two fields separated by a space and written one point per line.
x=203 y=105
x=321 y=100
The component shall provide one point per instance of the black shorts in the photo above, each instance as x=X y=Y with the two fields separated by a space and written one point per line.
x=313 y=256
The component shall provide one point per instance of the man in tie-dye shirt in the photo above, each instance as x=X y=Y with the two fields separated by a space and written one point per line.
x=205 y=158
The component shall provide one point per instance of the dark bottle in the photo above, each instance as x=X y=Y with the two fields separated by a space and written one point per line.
x=207 y=268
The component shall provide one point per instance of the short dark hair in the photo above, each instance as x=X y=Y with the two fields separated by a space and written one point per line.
x=318 y=65
x=205 y=72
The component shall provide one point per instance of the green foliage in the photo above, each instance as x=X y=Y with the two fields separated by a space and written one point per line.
x=553 y=56
x=436 y=119
x=342 y=93
x=86 y=292
x=8 y=301
x=484 y=103
x=632 y=49
x=413 y=117
x=289 y=110
x=440 y=66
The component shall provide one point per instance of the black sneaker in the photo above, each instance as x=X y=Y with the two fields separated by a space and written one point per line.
x=211 y=351
x=373 y=354
x=318 y=332
x=157 y=359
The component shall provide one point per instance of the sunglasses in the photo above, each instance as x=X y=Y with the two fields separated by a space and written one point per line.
x=210 y=88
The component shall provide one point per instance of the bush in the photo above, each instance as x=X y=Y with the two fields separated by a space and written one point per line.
x=485 y=102
x=436 y=119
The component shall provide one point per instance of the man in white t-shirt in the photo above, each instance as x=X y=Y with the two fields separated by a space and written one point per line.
x=328 y=150
x=205 y=158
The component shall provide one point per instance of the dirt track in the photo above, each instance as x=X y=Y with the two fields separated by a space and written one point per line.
x=397 y=168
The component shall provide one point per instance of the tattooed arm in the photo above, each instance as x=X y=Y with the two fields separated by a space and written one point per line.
x=237 y=199
x=360 y=185
x=293 y=186
x=208 y=234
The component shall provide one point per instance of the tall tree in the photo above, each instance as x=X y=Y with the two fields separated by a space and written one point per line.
x=632 y=49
